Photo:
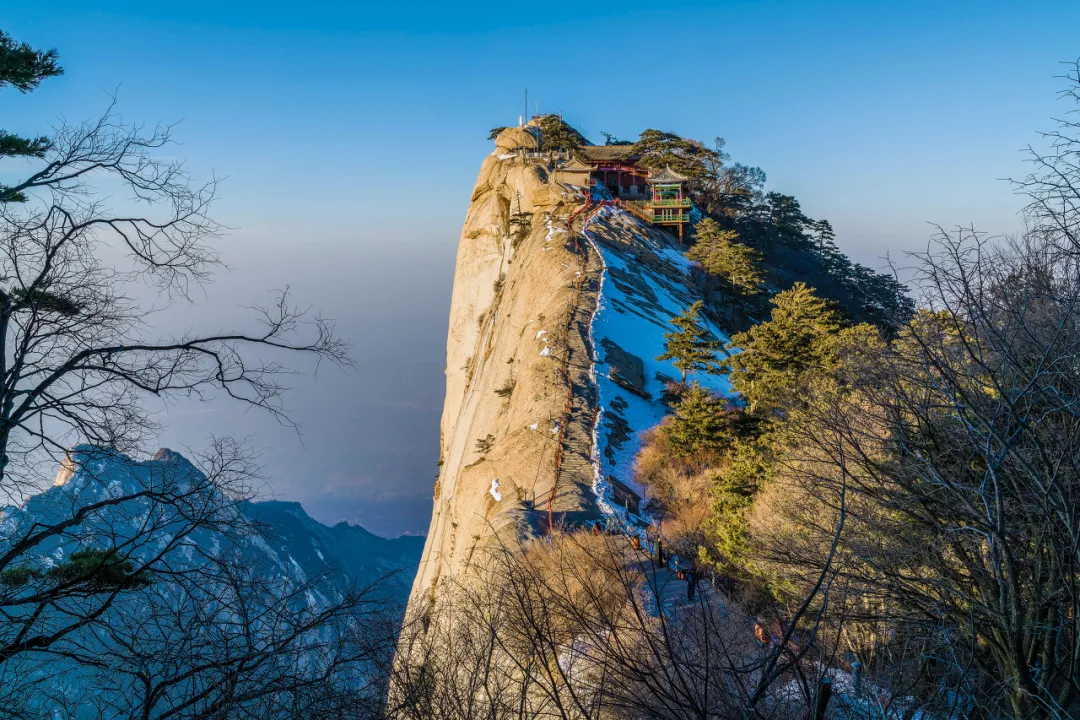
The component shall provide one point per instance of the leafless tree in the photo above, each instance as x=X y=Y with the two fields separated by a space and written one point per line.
x=954 y=453
x=79 y=356
x=235 y=639
x=582 y=626
x=1051 y=190
x=103 y=578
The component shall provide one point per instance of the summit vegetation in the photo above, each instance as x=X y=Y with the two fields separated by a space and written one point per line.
x=752 y=244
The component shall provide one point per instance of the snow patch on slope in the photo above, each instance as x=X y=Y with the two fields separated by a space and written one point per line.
x=635 y=305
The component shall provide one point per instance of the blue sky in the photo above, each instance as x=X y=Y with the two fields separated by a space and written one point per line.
x=350 y=135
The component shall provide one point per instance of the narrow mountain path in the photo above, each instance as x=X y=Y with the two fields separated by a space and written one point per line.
x=663 y=584
x=577 y=471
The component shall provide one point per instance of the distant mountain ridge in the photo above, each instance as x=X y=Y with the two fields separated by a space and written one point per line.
x=347 y=553
x=346 y=550
x=219 y=583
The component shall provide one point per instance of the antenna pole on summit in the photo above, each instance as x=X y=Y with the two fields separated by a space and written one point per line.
x=526 y=106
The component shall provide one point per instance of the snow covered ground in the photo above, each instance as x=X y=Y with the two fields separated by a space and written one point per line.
x=636 y=303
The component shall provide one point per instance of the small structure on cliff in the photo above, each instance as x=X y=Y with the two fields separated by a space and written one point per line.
x=667 y=203
x=617 y=168
x=656 y=196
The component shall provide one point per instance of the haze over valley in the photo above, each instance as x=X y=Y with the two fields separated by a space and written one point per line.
x=489 y=362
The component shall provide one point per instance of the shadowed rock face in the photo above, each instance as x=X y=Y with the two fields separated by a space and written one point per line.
x=626 y=369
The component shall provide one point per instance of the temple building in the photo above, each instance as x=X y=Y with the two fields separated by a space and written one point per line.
x=656 y=196
x=667 y=203
x=616 y=168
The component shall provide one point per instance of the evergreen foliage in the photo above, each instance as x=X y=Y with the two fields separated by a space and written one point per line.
x=823 y=235
x=734 y=487
x=658 y=149
x=43 y=301
x=786 y=219
x=775 y=354
x=555 y=134
x=873 y=297
x=99 y=571
x=95 y=570
x=610 y=139
x=691 y=347
x=720 y=255
x=16 y=146
x=791 y=247
x=796 y=248
x=23 y=68
x=702 y=422
x=17 y=576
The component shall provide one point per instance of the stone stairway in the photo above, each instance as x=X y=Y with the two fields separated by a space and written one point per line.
x=665 y=586
x=574 y=484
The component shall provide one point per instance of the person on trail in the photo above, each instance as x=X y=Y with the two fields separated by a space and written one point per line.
x=691 y=584
x=760 y=633
x=659 y=553
x=821 y=702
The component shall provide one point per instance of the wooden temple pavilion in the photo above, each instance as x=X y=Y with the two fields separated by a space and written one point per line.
x=667 y=203
x=616 y=168
x=656 y=196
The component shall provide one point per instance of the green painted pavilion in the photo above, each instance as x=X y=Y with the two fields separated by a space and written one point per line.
x=667 y=204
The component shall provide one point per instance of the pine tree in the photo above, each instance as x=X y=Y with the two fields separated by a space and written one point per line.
x=785 y=221
x=691 y=347
x=775 y=354
x=23 y=68
x=556 y=134
x=823 y=234
x=719 y=253
x=702 y=422
x=610 y=139
x=734 y=488
x=658 y=149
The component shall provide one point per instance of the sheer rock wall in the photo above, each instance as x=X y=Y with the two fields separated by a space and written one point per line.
x=518 y=336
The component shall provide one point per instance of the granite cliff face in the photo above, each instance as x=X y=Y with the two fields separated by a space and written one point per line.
x=559 y=307
x=516 y=320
